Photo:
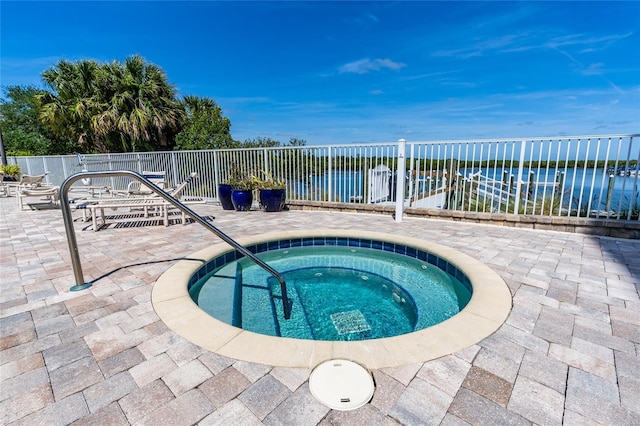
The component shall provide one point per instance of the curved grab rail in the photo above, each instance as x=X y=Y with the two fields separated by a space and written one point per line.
x=73 y=244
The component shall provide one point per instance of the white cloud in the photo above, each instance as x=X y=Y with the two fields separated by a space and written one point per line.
x=517 y=42
x=367 y=20
x=593 y=69
x=596 y=43
x=525 y=41
x=363 y=66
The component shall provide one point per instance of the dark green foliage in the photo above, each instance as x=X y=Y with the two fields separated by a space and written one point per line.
x=204 y=126
x=260 y=142
x=128 y=106
x=263 y=142
x=116 y=107
x=22 y=131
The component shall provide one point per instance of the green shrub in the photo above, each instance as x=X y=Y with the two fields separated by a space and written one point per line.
x=12 y=170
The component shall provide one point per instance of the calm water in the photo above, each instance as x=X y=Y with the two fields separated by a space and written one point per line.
x=337 y=293
x=587 y=185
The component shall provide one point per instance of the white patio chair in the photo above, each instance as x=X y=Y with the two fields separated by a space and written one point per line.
x=33 y=186
x=146 y=203
x=137 y=189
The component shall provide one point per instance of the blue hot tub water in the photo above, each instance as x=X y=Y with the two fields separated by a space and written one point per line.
x=340 y=289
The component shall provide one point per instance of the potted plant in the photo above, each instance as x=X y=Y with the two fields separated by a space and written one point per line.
x=11 y=172
x=224 y=195
x=226 y=187
x=242 y=193
x=273 y=192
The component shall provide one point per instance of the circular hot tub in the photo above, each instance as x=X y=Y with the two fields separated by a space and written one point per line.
x=379 y=299
x=337 y=288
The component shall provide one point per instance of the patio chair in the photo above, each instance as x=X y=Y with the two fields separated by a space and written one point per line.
x=146 y=203
x=136 y=188
x=33 y=186
x=177 y=191
x=29 y=182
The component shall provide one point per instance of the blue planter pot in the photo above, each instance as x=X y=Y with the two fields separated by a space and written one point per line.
x=224 y=195
x=242 y=200
x=272 y=200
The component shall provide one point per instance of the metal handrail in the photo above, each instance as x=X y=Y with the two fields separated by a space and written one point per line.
x=73 y=244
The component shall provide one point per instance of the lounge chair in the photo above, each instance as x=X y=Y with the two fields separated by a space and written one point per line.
x=136 y=188
x=146 y=203
x=33 y=186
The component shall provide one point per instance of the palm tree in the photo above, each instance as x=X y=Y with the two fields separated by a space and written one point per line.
x=111 y=107
x=143 y=109
x=74 y=100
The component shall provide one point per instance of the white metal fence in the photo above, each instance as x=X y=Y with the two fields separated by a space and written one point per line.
x=586 y=176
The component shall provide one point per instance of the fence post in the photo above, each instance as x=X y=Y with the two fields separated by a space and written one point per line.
x=45 y=168
x=330 y=177
x=174 y=165
x=400 y=172
x=516 y=201
x=412 y=172
x=265 y=161
x=216 y=173
x=607 y=205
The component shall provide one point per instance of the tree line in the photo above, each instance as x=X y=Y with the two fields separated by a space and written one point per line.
x=130 y=106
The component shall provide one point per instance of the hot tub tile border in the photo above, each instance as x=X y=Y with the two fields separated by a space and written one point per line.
x=396 y=248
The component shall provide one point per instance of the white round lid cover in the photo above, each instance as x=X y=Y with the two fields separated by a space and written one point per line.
x=341 y=384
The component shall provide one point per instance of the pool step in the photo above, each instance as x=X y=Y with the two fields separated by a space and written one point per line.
x=221 y=286
x=252 y=291
x=233 y=287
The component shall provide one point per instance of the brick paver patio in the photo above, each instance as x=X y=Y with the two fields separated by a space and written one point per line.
x=569 y=353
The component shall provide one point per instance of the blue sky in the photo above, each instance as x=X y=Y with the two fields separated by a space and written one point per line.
x=341 y=72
